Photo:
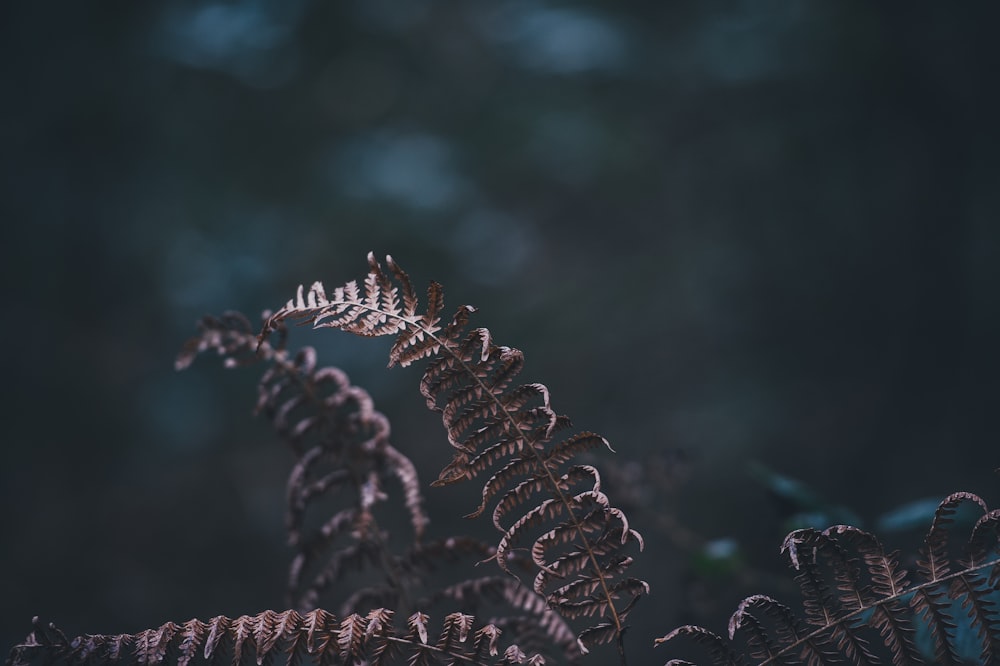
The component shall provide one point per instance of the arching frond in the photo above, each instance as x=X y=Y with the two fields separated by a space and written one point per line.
x=500 y=430
x=341 y=443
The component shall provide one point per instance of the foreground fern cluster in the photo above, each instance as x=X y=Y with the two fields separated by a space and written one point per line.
x=559 y=585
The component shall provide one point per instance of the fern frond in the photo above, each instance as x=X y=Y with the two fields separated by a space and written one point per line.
x=856 y=596
x=341 y=443
x=317 y=637
x=497 y=428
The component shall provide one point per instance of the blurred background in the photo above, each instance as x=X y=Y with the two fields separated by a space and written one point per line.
x=754 y=244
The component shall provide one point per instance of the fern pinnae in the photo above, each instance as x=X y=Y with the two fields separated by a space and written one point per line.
x=849 y=595
x=316 y=637
x=877 y=593
x=719 y=650
x=555 y=456
x=978 y=583
x=761 y=645
x=536 y=483
x=983 y=544
x=468 y=380
x=931 y=603
x=933 y=561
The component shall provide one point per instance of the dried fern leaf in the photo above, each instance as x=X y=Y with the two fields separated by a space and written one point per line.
x=341 y=443
x=856 y=596
x=499 y=429
x=317 y=637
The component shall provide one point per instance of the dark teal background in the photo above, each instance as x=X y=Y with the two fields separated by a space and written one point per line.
x=744 y=231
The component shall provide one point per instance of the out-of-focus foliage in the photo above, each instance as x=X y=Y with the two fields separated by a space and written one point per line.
x=798 y=506
x=793 y=205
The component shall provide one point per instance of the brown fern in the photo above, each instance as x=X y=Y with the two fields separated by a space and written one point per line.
x=317 y=637
x=341 y=442
x=855 y=595
x=576 y=539
x=860 y=605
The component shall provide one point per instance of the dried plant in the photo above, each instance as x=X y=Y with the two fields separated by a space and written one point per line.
x=576 y=539
x=857 y=596
x=556 y=527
